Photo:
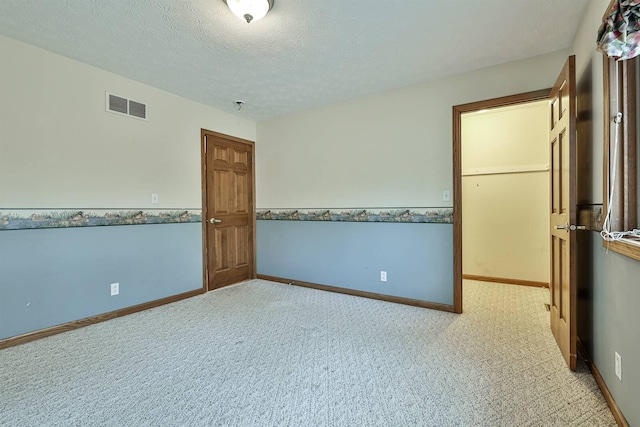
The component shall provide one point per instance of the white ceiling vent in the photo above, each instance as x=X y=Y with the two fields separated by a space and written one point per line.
x=119 y=105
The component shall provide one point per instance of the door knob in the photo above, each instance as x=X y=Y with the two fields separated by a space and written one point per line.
x=214 y=221
x=568 y=227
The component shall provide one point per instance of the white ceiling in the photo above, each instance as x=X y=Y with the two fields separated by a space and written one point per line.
x=303 y=54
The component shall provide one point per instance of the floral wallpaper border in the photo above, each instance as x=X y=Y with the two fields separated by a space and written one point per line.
x=37 y=219
x=405 y=215
x=29 y=219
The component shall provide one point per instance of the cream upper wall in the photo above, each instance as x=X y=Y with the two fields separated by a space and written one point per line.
x=505 y=216
x=507 y=136
x=389 y=150
x=505 y=226
x=60 y=149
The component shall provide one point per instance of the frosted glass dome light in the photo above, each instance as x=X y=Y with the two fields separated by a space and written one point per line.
x=249 y=10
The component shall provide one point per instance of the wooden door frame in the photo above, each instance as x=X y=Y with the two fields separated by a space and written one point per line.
x=458 y=110
x=205 y=214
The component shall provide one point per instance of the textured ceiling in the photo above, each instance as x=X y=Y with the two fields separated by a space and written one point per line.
x=303 y=54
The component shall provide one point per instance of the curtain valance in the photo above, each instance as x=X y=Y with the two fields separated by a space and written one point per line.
x=619 y=34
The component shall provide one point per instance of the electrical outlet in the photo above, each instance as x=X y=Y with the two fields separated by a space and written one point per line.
x=383 y=276
x=618 y=366
x=115 y=289
x=155 y=199
x=446 y=196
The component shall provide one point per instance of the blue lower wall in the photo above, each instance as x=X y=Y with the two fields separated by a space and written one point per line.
x=53 y=276
x=418 y=257
x=608 y=318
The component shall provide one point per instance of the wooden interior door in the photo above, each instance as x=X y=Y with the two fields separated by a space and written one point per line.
x=562 y=137
x=228 y=209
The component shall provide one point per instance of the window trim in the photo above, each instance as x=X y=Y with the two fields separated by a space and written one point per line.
x=625 y=202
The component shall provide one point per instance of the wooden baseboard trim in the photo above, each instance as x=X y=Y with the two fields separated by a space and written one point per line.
x=77 y=324
x=353 y=292
x=615 y=409
x=506 y=281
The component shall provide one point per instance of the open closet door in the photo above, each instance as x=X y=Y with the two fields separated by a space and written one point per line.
x=562 y=137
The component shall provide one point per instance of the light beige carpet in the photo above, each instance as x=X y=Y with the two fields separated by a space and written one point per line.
x=269 y=354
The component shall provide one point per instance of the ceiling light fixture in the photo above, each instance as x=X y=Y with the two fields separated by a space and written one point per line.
x=249 y=10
